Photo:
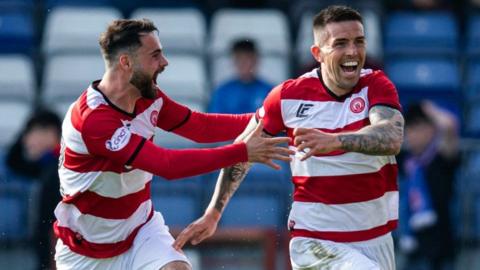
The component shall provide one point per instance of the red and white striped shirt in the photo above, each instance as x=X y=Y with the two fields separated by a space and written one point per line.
x=108 y=159
x=339 y=196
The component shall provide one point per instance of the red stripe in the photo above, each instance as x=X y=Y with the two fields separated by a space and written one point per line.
x=84 y=163
x=112 y=208
x=79 y=245
x=352 y=236
x=345 y=188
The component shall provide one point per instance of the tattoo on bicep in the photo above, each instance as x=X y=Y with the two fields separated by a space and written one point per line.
x=383 y=137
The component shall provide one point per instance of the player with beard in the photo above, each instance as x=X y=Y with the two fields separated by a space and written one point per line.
x=106 y=219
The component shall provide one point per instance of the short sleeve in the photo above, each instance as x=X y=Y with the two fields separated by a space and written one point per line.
x=108 y=136
x=381 y=91
x=271 y=112
x=172 y=115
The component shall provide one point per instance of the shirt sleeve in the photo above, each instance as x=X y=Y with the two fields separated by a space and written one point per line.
x=107 y=136
x=271 y=113
x=172 y=114
x=382 y=91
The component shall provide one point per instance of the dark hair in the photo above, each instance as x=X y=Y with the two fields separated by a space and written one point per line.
x=123 y=34
x=43 y=118
x=414 y=114
x=244 y=45
x=336 y=14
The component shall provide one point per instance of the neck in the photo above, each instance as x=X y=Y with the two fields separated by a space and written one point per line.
x=332 y=86
x=118 y=90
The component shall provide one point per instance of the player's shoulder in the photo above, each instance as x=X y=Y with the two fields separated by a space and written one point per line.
x=296 y=87
x=370 y=75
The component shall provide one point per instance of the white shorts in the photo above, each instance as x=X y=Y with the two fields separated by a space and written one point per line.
x=313 y=254
x=151 y=250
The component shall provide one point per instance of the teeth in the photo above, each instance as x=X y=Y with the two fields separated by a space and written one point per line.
x=350 y=64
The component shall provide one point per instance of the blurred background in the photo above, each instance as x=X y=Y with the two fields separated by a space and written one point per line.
x=49 y=54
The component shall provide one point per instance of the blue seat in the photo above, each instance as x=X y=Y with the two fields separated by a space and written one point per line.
x=437 y=79
x=431 y=33
x=473 y=36
x=473 y=80
x=78 y=3
x=265 y=210
x=178 y=210
x=17 y=4
x=16 y=32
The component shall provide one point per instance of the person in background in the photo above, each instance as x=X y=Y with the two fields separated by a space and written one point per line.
x=246 y=91
x=34 y=156
x=428 y=168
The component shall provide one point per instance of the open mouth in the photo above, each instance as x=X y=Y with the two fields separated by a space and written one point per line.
x=349 y=67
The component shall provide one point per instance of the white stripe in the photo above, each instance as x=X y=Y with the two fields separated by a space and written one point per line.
x=345 y=217
x=114 y=185
x=72 y=137
x=345 y=164
x=141 y=124
x=323 y=114
x=101 y=230
x=94 y=98
x=73 y=182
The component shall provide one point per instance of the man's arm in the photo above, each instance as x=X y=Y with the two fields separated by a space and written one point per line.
x=228 y=182
x=384 y=136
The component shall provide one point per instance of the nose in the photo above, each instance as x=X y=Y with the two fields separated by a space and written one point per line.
x=163 y=62
x=352 y=49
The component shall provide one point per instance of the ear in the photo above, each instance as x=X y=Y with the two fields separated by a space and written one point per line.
x=125 y=62
x=317 y=53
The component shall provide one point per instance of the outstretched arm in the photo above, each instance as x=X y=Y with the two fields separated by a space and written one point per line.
x=384 y=136
x=228 y=182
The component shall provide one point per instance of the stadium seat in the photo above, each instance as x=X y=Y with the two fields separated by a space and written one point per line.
x=185 y=79
x=67 y=76
x=273 y=69
x=68 y=31
x=16 y=32
x=473 y=36
x=436 y=79
x=180 y=30
x=472 y=121
x=17 y=4
x=269 y=28
x=17 y=79
x=10 y=126
x=50 y=4
x=421 y=33
x=179 y=207
x=254 y=210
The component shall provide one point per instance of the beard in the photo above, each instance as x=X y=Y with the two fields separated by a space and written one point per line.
x=144 y=83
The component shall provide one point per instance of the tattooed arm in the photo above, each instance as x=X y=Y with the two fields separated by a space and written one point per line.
x=384 y=136
x=228 y=182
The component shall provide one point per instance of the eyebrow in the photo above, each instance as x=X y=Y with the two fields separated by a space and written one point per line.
x=155 y=51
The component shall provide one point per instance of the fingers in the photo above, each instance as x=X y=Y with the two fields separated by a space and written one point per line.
x=307 y=155
x=259 y=128
x=300 y=131
x=271 y=164
x=183 y=238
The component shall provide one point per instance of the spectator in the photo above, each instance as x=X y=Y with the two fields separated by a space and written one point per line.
x=245 y=92
x=429 y=166
x=34 y=155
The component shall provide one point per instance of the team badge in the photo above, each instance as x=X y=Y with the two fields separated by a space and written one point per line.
x=154 y=118
x=357 y=105
x=291 y=224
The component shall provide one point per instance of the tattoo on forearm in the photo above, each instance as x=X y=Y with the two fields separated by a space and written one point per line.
x=229 y=181
x=383 y=137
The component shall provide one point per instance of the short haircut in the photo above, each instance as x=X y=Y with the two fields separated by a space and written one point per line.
x=123 y=35
x=43 y=118
x=335 y=13
x=244 y=45
x=415 y=114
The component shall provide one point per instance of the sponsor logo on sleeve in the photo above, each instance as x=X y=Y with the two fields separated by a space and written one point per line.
x=120 y=138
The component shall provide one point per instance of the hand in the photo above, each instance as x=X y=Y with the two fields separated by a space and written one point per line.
x=314 y=141
x=199 y=230
x=264 y=150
